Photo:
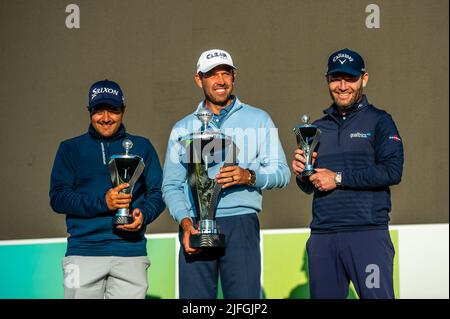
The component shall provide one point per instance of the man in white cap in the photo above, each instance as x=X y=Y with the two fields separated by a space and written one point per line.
x=261 y=164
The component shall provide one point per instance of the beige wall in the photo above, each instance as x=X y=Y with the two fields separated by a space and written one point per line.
x=280 y=48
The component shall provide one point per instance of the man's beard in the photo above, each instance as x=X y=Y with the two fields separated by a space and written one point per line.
x=214 y=101
x=357 y=96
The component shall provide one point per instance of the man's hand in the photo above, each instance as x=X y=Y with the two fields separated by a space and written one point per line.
x=323 y=179
x=233 y=175
x=298 y=164
x=188 y=230
x=136 y=225
x=116 y=200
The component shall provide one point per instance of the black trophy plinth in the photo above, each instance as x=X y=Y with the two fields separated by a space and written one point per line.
x=122 y=220
x=207 y=240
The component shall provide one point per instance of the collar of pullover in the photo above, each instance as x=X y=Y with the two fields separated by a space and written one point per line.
x=333 y=109
x=219 y=118
x=233 y=107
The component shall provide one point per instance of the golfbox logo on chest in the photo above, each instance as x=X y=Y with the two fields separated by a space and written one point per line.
x=360 y=135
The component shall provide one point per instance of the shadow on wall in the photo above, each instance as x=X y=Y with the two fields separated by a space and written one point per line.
x=300 y=291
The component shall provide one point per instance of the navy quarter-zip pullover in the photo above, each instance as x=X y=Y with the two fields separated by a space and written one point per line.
x=79 y=181
x=366 y=147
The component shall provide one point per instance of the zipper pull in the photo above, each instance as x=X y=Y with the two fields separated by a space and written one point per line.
x=103 y=153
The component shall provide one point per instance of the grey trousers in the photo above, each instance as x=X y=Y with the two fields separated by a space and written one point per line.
x=105 y=277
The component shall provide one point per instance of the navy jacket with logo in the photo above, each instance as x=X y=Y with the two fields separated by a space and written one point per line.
x=79 y=181
x=367 y=149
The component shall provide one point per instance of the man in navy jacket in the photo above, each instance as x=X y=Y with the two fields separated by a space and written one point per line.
x=359 y=155
x=104 y=261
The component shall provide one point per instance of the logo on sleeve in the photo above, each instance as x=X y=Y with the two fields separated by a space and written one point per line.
x=395 y=138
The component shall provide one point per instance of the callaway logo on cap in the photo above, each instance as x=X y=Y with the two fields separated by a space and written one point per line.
x=346 y=61
x=105 y=92
x=210 y=59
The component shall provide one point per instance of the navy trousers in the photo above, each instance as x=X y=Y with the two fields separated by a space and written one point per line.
x=238 y=264
x=364 y=257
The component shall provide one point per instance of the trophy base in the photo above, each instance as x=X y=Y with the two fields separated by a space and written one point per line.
x=307 y=174
x=122 y=220
x=207 y=240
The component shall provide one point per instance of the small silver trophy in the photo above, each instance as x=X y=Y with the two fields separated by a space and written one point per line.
x=207 y=151
x=307 y=139
x=125 y=168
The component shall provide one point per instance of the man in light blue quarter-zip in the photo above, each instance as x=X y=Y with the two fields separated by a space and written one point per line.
x=260 y=165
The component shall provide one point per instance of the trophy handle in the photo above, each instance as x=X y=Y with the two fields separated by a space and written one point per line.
x=137 y=173
x=315 y=140
x=230 y=160
x=301 y=143
x=214 y=199
x=192 y=186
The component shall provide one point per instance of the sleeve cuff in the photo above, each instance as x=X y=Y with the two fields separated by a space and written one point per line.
x=183 y=217
x=260 y=181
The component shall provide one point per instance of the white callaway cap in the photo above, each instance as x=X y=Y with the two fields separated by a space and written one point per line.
x=208 y=60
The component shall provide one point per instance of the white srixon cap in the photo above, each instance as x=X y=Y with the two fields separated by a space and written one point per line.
x=208 y=60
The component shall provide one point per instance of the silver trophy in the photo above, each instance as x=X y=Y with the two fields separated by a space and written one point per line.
x=125 y=168
x=206 y=152
x=307 y=138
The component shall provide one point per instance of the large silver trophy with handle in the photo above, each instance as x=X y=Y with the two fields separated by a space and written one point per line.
x=307 y=138
x=125 y=168
x=206 y=152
